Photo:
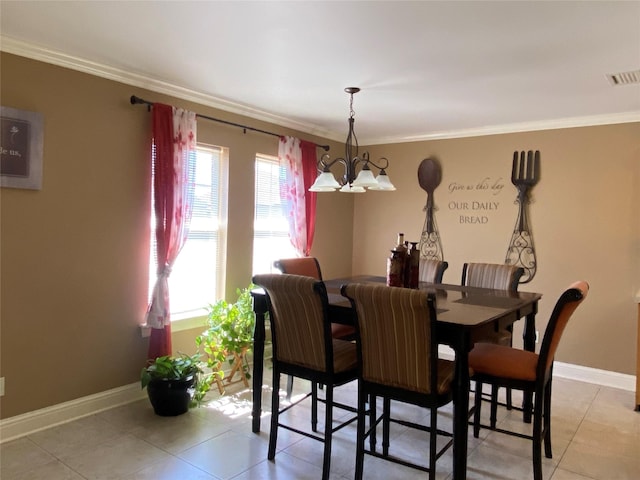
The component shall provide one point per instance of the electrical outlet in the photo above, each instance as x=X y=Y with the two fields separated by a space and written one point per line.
x=1 y=386
x=537 y=336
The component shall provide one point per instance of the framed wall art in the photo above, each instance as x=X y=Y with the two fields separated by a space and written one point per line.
x=21 y=148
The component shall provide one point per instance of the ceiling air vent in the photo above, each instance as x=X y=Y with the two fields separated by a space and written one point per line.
x=624 y=78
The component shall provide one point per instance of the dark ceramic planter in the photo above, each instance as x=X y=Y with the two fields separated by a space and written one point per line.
x=170 y=397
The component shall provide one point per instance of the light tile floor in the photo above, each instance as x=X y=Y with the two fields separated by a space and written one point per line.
x=596 y=435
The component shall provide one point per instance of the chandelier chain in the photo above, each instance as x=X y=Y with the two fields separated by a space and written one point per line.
x=352 y=112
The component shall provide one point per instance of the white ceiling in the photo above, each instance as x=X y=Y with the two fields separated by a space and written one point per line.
x=426 y=69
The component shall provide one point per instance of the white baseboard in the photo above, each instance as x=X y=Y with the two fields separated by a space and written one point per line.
x=31 y=422
x=605 y=378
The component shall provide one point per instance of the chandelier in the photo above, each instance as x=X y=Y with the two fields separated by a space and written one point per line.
x=351 y=183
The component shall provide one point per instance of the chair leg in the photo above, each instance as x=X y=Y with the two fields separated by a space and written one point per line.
x=526 y=407
x=547 y=421
x=433 y=438
x=289 y=387
x=373 y=414
x=328 y=427
x=509 y=396
x=362 y=401
x=494 y=406
x=537 y=436
x=386 y=425
x=275 y=412
x=314 y=406
x=477 y=409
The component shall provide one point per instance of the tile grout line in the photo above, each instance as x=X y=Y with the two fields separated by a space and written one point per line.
x=557 y=466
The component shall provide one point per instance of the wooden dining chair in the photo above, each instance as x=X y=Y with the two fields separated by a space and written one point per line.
x=398 y=360
x=303 y=347
x=310 y=267
x=496 y=276
x=532 y=373
x=431 y=271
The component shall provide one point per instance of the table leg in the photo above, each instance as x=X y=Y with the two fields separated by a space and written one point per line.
x=529 y=343
x=460 y=415
x=258 y=362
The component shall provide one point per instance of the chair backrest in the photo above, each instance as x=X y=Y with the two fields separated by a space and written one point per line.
x=306 y=266
x=396 y=344
x=431 y=271
x=297 y=311
x=492 y=275
x=564 y=308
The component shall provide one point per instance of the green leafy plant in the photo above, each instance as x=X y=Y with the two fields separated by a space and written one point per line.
x=229 y=333
x=180 y=367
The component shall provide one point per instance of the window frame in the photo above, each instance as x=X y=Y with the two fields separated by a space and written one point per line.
x=197 y=314
x=286 y=250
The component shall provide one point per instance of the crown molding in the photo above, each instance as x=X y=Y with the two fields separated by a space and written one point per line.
x=24 y=49
x=573 y=122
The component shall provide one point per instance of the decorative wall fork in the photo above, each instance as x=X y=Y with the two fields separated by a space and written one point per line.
x=521 y=252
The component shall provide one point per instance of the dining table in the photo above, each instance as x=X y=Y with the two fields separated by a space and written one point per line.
x=465 y=315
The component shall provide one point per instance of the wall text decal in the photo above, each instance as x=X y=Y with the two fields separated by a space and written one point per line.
x=475 y=211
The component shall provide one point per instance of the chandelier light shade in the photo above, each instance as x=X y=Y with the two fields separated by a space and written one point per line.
x=352 y=183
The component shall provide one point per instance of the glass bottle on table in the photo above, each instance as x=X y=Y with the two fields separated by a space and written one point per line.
x=403 y=253
x=395 y=264
x=413 y=277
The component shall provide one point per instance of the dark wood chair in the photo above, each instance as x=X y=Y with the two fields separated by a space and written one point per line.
x=303 y=347
x=496 y=276
x=310 y=267
x=503 y=366
x=398 y=360
x=431 y=271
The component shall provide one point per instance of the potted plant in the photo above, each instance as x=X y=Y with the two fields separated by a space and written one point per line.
x=175 y=383
x=229 y=337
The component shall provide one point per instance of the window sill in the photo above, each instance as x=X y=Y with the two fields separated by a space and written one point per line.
x=181 y=322
x=194 y=320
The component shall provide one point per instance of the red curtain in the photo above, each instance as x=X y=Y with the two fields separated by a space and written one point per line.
x=298 y=158
x=309 y=173
x=174 y=142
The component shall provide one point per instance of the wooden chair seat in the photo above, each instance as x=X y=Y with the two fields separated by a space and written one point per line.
x=504 y=362
x=342 y=331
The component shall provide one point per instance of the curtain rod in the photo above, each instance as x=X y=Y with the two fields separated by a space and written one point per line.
x=137 y=100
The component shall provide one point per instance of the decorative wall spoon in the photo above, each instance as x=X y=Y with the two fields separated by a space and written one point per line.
x=429 y=177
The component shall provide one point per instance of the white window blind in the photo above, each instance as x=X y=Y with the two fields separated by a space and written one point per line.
x=271 y=229
x=196 y=279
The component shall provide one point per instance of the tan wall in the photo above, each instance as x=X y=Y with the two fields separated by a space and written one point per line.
x=74 y=255
x=584 y=218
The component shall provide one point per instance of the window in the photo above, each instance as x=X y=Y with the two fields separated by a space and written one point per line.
x=270 y=228
x=196 y=279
